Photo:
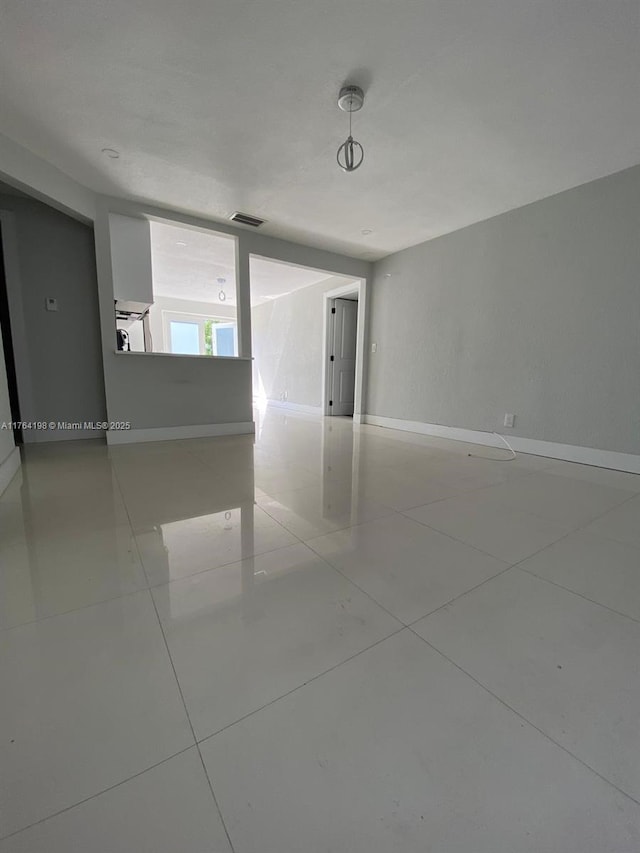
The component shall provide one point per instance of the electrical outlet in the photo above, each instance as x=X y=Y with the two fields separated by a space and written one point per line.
x=509 y=420
x=51 y=304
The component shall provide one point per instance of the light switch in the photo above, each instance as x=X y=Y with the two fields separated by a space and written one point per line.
x=51 y=304
x=374 y=347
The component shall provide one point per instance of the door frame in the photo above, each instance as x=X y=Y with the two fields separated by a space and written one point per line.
x=16 y=315
x=358 y=287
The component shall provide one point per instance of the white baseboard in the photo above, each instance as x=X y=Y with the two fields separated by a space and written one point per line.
x=294 y=407
x=132 y=436
x=568 y=452
x=9 y=468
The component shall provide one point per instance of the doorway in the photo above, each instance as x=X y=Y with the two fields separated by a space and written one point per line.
x=7 y=346
x=343 y=332
x=344 y=351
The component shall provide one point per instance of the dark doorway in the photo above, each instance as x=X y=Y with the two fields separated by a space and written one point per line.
x=7 y=344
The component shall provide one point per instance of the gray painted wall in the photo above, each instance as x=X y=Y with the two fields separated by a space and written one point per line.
x=535 y=312
x=287 y=345
x=58 y=352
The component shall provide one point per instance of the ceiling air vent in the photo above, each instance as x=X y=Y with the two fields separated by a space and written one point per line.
x=245 y=219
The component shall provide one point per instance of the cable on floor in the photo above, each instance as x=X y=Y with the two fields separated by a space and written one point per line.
x=492 y=458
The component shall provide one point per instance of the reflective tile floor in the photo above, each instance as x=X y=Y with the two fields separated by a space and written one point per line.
x=335 y=638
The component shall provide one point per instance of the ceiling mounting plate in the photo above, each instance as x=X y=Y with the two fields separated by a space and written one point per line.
x=351 y=99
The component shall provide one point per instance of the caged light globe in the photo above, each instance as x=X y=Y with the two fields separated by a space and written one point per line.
x=350 y=154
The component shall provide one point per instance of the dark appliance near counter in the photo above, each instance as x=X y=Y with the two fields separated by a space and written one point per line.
x=123 y=340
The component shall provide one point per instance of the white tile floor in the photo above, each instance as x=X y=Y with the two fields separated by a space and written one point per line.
x=339 y=638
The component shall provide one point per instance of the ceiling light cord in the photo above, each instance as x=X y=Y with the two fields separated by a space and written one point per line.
x=492 y=458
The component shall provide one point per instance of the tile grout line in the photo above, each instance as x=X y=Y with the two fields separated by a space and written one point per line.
x=97 y=794
x=313 y=678
x=598 y=534
x=508 y=568
x=522 y=717
x=402 y=513
x=503 y=571
x=195 y=740
x=175 y=675
x=393 y=615
x=424 y=615
x=76 y=609
x=222 y=565
x=299 y=541
x=353 y=583
x=527 y=512
x=579 y=594
x=464 y=492
x=151 y=586
x=517 y=566
x=307 y=543
x=133 y=533
x=456 y=539
x=326 y=562
x=580 y=527
x=468 y=492
x=460 y=595
x=103 y=600
x=330 y=532
x=214 y=798
x=475 y=489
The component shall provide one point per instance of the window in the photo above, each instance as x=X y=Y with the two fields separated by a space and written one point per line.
x=184 y=337
x=220 y=338
x=193 y=334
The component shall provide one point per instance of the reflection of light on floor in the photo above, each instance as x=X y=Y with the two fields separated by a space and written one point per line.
x=190 y=541
x=260 y=402
x=226 y=585
x=261 y=397
x=192 y=546
x=226 y=588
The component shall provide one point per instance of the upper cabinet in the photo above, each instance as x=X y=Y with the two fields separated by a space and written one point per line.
x=131 y=259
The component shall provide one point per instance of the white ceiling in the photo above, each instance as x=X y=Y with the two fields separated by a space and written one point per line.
x=187 y=264
x=472 y=108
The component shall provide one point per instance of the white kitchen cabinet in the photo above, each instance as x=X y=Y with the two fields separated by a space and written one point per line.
x=131 y=259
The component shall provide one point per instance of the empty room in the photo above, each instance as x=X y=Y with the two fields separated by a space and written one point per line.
x=319 y=427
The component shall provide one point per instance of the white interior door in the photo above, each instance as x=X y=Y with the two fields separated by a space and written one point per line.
x=343 y=353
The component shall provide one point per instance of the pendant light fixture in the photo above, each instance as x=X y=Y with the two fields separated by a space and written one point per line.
x=222 y=295
x=350 y=154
